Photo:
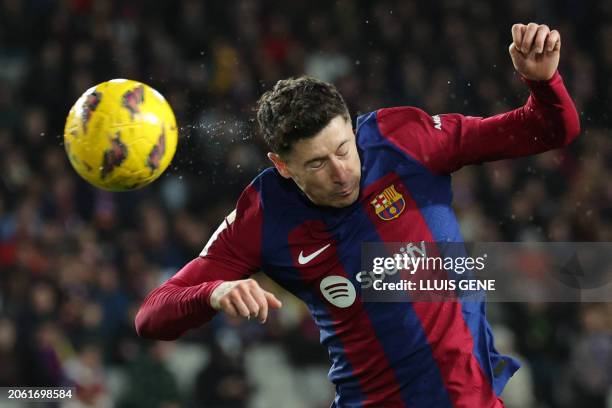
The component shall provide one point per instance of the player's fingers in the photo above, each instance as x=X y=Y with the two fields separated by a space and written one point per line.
x=553 y=42
x=540 y=38
x=250 y=302
x=227 y=306
x=260 y=298
x=528 y=37
x=513 y=49
x=273 y=301
x=517 y=34
x=240 y=306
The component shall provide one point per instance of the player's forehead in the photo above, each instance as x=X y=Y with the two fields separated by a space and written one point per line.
x=337 y=132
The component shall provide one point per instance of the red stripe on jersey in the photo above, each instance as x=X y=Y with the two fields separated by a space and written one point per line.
x=447 y=333
x=352 y=324
x=239 y=243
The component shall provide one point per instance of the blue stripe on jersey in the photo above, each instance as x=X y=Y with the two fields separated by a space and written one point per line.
x=411 y=343
x=274 y=232
x=407 y=344
x=438 y=215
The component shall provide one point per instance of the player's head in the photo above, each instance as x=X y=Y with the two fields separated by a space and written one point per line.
x=307 y=127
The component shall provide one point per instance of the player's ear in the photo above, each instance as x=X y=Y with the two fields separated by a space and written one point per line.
x=280 y=165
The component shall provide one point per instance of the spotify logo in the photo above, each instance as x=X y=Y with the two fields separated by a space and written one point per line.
x=338 y=291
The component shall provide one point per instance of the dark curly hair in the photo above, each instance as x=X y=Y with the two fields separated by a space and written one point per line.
x=297 y=108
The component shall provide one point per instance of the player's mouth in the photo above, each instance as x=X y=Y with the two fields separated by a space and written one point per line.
x=345 y=193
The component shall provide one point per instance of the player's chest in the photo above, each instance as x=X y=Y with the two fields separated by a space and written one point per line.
x=333 y=246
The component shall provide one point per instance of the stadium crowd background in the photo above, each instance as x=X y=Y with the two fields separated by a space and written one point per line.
x=76 y=262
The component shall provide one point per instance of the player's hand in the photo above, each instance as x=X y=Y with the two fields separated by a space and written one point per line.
x=535 y=50
x=244 y=298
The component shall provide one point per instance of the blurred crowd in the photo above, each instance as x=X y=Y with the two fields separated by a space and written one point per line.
x=76 y=262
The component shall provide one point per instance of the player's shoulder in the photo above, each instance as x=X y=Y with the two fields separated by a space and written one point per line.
x=266 y=176
x=249 y=207
x=384 y=122
x=246 y=221
x=270 y=190
x=251 y=194
x=268 y=182
x=393 y=116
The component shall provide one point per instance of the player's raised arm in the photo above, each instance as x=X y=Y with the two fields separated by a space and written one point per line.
x=548 y=120
x=216 y=280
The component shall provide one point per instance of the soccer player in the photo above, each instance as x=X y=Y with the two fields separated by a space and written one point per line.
x=332 y=188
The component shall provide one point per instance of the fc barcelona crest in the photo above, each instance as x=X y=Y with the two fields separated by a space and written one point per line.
x=389 y=204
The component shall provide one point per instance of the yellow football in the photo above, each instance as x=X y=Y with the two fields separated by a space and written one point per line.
x=120 y=135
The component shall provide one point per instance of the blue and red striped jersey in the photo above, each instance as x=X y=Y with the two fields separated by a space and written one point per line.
x=410 y=354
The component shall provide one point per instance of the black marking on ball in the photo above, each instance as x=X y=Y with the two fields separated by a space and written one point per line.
x=89 y=106
x=132 y=99
x=157 y=152
x=114 y=156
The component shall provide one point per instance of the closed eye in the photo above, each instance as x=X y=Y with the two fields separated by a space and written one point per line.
x=317 y=164
x=343 y=149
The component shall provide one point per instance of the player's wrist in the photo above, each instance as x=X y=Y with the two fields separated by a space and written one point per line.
x=213 y=293
x=537 y=82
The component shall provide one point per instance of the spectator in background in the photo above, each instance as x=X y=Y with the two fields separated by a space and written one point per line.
x=149 y=382
x=11 y=372
x=223 y=382
x=591 y=358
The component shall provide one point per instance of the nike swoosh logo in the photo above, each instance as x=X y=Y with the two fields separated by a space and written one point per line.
x=303 y=260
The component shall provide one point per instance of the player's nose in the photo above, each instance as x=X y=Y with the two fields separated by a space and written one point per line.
x=339 y=171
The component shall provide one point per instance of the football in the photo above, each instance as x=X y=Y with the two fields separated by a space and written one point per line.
x=120 y=135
